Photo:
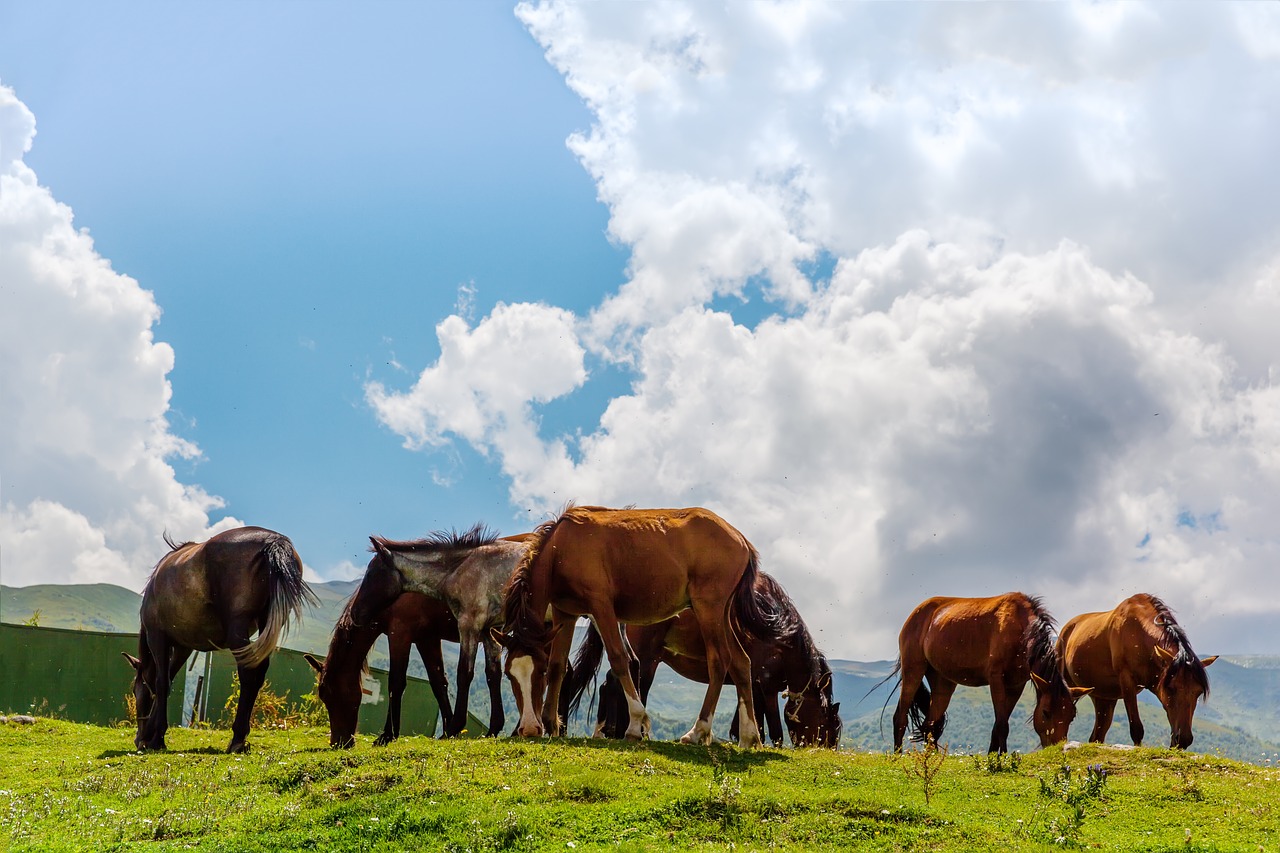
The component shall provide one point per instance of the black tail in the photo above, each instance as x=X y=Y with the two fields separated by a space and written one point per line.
x=289 y=592
x=582 y=673
x=754 y=612
x=917 y=711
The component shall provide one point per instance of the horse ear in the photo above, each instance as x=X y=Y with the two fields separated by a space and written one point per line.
x=1208 y=660
x=315 y=664
x=835 y=709
x=133 y=662
x=378 y=547
x=1164 y=654
x=1078 y=693
x=1040 y=682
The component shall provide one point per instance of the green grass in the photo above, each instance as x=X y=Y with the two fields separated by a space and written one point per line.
x=65 y=786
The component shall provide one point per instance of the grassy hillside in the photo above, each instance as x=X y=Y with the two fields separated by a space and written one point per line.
x=92 y=607
x=69 y=787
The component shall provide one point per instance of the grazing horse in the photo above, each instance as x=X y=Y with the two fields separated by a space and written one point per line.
x=1118 y=653
x=792 y=665
x=467 y=572
x=637 y=566
x=215 y=595
x=411 y=620
x=1002 y=641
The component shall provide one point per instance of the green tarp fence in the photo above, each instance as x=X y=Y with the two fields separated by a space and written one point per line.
x=81 y=676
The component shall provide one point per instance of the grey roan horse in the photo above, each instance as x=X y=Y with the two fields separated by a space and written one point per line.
x=215 y=595
x=468 y=572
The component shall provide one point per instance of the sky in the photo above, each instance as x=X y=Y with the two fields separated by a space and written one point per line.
x=924 y=299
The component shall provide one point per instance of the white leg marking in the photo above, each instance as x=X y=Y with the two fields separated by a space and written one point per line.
x=700 y=733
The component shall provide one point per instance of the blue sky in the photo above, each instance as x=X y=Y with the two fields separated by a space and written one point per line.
x=305 y=189
x=924 y=299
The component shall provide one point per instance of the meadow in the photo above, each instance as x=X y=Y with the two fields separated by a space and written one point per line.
x=68 y=786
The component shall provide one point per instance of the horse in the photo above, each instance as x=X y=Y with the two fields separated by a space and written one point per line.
x=466 y=571
x=1119 y=652
x=1001 y=642
x=215 y=595
x=792 y=666
x=637 y=566
x=412 y=620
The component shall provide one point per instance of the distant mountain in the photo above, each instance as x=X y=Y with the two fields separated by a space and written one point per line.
x=1240 y=719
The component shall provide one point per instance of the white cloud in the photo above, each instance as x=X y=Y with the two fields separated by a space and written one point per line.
x=1043 y=357
x=84 y=440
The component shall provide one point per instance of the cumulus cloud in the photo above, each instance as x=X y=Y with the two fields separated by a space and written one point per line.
x=84 y=441
x=1021 y=275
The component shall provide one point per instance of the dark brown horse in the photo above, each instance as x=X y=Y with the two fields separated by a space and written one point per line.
x=412 y=620
x=792 y=665
x=215 y=595
x=1118 y=653
x=1001 y=642
x=466 y=571
x=637 y=566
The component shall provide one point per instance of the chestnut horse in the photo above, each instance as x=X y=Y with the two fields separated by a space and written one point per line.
x=1003 y=642
x=1118 y=653
x=637 y=566
x=466 y=571
x=215 y=595
x=412 y=620
x=792 y=665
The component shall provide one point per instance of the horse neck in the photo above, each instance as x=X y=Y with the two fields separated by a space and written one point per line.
x=349 y=646
x=425 y=573
x=801 y=661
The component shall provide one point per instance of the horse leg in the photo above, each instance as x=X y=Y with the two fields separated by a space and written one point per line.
x=151 y=736
x=638 y=725
x=468 y=642
x=1103 y=710
x=433 y=661
x=1129 y=691
x=912 y=683
x=399 y=645
x=557 y=663
x=1004 y=697
x=493 y=675
x=723 y=648
x=251 y=681
x=936 y=721
x=767 y=701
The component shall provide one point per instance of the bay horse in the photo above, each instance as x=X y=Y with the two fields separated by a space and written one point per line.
x=792 y=665
x=467 y=571
x=1119 y=652
x=411 y=620
x=215 y=595
x=637 y=566
x=1002 y=642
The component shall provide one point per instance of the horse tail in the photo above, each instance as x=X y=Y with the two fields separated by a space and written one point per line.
x=582 y=674
x=287 y=593
x=917 y=711
x=755 y=611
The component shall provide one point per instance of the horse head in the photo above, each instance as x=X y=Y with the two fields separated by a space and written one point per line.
x=341 y=698
x=812 y=718
x=526 y=669
x=143 y=695
x=1055 y=707
x=382 y=585
x=1181 y=683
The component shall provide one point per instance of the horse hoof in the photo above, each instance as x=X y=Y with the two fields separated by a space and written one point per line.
x=382 y=740
x=238 y=748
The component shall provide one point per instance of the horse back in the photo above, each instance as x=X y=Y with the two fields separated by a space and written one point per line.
x=1086 y=647
x=197 y=588
x=651 y=563
x=969 y=640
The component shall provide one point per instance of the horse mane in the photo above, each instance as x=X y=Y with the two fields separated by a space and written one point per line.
x=1174 y=635
x=1040 y=641
x=442 y=540
x=523 y=625
x=781 y=610
x=173 y=546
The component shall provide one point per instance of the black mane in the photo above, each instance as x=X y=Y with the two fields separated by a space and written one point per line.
x=1174 y=635
x=443 y=540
